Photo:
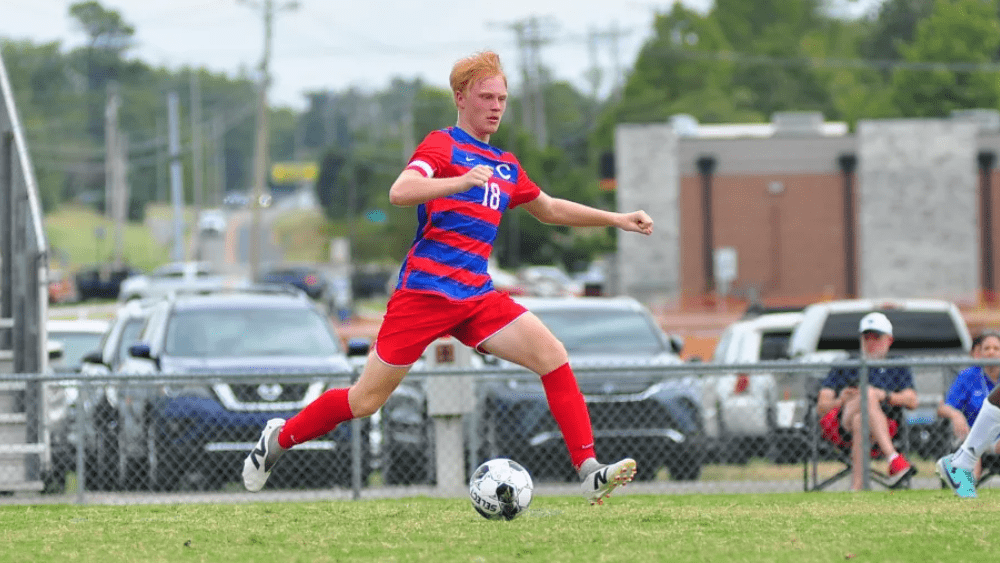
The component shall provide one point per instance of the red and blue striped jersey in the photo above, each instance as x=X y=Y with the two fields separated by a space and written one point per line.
x=455 y=234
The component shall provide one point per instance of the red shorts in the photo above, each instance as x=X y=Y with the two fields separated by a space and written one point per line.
x=414 y=319
x=834 y=432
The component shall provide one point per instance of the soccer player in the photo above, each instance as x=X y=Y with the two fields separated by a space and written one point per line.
x=461 y=185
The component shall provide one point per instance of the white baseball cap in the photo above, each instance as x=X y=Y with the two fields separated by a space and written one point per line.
x=875 y=322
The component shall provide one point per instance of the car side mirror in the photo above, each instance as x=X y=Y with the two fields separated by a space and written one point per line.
x=358 y=347
x=140 y=351
x=676 y=344
x=94 y=357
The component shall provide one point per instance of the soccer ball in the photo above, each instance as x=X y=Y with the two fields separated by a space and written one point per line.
x=500 y=489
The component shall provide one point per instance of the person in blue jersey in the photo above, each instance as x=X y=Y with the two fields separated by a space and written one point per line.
x=460 y=185
x=970 y=388
x=973 y=393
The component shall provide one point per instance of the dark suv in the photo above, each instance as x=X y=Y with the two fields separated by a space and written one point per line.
x=307 y=278
x=646 y=414
x=195 y=432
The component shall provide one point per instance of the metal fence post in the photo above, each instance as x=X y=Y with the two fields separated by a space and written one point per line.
x=449 y=398
x=865 y=432
x=81 y=433
x=356 y=449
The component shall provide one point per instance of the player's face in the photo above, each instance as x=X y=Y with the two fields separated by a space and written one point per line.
x=481 y=107
x=875 y=345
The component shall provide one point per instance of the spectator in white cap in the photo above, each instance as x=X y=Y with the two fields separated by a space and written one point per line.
x=889 y=391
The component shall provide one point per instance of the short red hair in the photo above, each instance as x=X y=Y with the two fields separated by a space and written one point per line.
x=480 y=66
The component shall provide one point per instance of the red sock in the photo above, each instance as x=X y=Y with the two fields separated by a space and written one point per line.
x=318 y=418
x=570 y=411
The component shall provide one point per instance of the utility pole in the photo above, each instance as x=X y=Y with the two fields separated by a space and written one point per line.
x=115 y=178
x=120 y=207
x=260 y=146
x=613 y=35
x=176 y=187
x=110 y=146
x=197 y=170
x=219 y=159
x=530 y=38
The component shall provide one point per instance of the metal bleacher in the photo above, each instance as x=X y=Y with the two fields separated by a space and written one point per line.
x=23 y=307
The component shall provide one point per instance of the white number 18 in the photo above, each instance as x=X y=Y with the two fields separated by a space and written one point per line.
x=491 y=195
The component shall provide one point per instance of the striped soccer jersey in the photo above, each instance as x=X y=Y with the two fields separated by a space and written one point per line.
x=455 y=234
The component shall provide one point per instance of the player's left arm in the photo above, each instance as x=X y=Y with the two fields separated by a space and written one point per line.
x=558 y=211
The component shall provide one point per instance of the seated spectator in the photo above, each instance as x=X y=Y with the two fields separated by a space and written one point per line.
x=970 y=388
x=890 y=390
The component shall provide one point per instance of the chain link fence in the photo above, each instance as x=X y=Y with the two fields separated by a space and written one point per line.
x=120 y=439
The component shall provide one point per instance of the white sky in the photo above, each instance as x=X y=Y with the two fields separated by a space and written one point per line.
x=335 y=44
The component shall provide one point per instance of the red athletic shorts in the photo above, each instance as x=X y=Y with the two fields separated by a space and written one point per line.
x=414 y=319
x=840 y=436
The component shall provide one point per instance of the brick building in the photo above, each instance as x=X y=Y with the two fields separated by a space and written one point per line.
x=812 y=210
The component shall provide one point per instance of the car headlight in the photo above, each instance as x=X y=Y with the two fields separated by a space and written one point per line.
x=57 y=403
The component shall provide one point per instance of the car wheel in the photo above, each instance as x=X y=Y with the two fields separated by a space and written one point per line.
x=54 y=480
x=647 y=469
x=132 y=471
x=686 y=466
x=737 y=450
x=102 y=462
x=164 y=474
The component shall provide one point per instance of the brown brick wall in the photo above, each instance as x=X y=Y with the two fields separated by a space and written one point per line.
x=790 y=245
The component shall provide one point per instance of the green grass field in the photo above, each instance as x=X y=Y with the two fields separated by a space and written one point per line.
x=871 y=526
x=72 y=233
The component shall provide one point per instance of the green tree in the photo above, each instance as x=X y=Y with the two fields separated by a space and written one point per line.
x=895 y=25
x=957 y=31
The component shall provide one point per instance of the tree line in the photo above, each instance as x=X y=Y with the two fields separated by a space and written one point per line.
x=740 y=62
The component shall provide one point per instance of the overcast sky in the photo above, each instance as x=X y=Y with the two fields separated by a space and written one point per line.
x=334 y=44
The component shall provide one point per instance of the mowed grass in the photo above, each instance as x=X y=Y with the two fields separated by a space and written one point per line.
x=870 y=526
x=72 y=233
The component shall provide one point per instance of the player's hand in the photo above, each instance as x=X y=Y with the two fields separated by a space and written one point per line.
x=477 y=176
x=638 y=222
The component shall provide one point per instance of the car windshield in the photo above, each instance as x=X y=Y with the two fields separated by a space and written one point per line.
x=75 y=346
x=608 y=331
x=233 y=333
x=911 y=330
x=774 y=345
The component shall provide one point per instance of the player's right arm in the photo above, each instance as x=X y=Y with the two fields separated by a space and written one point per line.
x=413 y=187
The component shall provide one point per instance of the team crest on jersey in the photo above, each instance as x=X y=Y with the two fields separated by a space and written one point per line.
x=504 y=170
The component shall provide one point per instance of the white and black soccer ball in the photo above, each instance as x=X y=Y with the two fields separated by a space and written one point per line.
x=500 y=489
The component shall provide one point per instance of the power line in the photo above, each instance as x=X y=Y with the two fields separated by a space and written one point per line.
x=871 y=64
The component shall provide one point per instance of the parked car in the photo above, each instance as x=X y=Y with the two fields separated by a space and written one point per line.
x=549 y=281
x=651 y=417
x=212 y=222
x=191 y=434
x=741 y=408
x=236 y=200
x=73 y=338
x=101 y=281
x=308 y=278
x=173 y=277
x=97 y=401
x=78 y=337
